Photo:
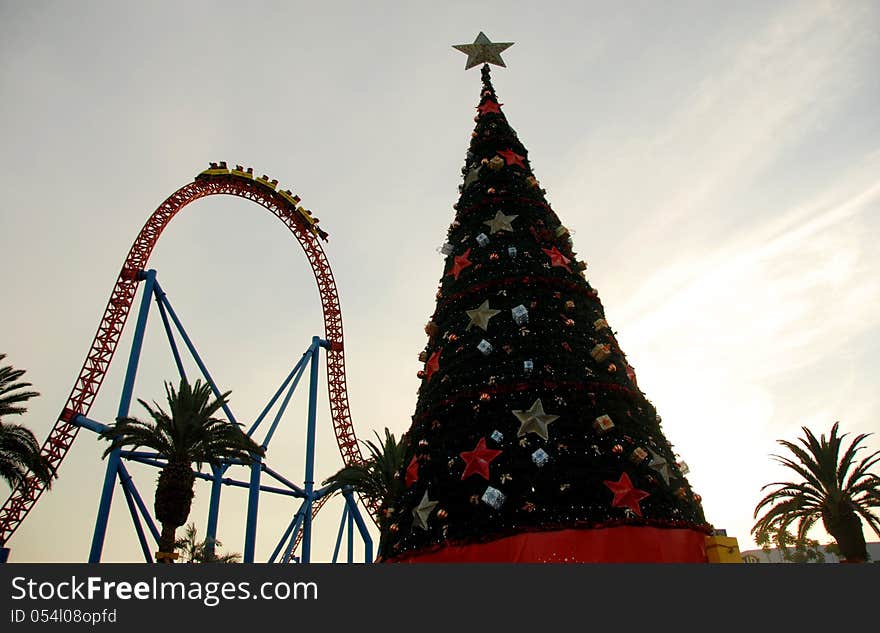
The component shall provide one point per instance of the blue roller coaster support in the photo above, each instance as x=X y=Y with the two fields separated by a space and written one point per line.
x=144 y=525
x=124 y=406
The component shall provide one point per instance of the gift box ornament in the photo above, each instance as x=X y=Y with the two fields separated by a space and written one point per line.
x=511 y=250
x=540 y=457
x=528 y=367
x=482 y=239
x=601 y=352
x=603 y=424
x=497 y=436
x=638 y=455
x=485 y=347
x=446 y=249
x=520 y=314
x=493 y=498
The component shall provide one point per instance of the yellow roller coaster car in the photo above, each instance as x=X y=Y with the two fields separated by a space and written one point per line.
x=216 y=169
x=264 y=180
x=292 y=199
x=242 y=173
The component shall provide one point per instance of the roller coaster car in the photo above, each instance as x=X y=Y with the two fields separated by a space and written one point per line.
x=264 y=180
x=307 y=215
x=313 y=223
x=241 y=173
x=216 y=170
x=292 y=199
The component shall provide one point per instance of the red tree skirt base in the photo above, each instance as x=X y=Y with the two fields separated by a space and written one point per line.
x=625 y=544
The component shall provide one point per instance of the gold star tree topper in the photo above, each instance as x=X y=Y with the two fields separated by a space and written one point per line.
x=483 y=50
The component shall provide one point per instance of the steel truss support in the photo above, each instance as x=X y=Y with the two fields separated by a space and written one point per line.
x=300 y=526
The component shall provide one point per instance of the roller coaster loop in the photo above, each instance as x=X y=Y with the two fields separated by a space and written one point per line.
x=217 y=180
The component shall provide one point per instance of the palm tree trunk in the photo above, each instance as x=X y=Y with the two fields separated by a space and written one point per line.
x=166 y=542
x=846 y=528
x=174 y=493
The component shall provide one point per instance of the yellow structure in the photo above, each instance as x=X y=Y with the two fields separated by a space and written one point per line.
x=722 y=549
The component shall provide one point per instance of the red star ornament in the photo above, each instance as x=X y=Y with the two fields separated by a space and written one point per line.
x=489 y=106
x=557 y=258
x=512 y=158
x=477 y=461
x=412 y=472
x=433 y=364
x=460 y=263
x=625 y=495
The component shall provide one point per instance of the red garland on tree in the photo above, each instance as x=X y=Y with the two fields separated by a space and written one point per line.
x=570 y=461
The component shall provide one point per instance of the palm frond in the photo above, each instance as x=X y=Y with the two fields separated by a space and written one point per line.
x=833 y=488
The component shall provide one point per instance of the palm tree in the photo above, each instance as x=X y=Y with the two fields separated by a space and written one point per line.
x=19 y=449
x=196 y=551
x=834 y=489
x=377 y=479
x=189 y=434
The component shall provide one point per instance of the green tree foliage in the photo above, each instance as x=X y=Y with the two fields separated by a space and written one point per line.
x=791 y=549
x=832 y=487
x=19 y=449
x=527 y=406
x=204 y=551
x=187 y=434
x=377 y=478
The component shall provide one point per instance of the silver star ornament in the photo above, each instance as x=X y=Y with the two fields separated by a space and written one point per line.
x=483 y=50
x=500 y=222
x=660 y=465
x=534 y=420
x=422 y=511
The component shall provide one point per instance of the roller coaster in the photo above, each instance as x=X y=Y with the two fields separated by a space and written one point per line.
x=217 y=180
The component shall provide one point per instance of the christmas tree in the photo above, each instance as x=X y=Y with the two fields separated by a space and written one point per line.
x=531 y=440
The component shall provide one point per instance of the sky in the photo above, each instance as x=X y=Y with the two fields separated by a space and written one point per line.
x=718 y=165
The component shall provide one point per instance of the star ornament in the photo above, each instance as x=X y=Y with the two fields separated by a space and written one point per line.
x=422 y=511
x=557 y=258
x=480 y=317
x=500 y=222
x=489 y=106
x=660 y=465
x=433 y=365
x=483 y=50
x=534 y=420
x=625 y=494
x=512 y=158
x=459 y=264
x=412 y=472
x=477 y=461
x=472 y=176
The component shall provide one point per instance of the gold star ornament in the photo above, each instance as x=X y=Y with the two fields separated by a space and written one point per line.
x=500 y=223
x=480 y=317
x=483 y=51
x=534 y=420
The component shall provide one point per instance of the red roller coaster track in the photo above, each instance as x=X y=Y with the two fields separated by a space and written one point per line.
x=85 y=389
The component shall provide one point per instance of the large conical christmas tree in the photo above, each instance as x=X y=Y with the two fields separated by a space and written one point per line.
x=531 y=440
